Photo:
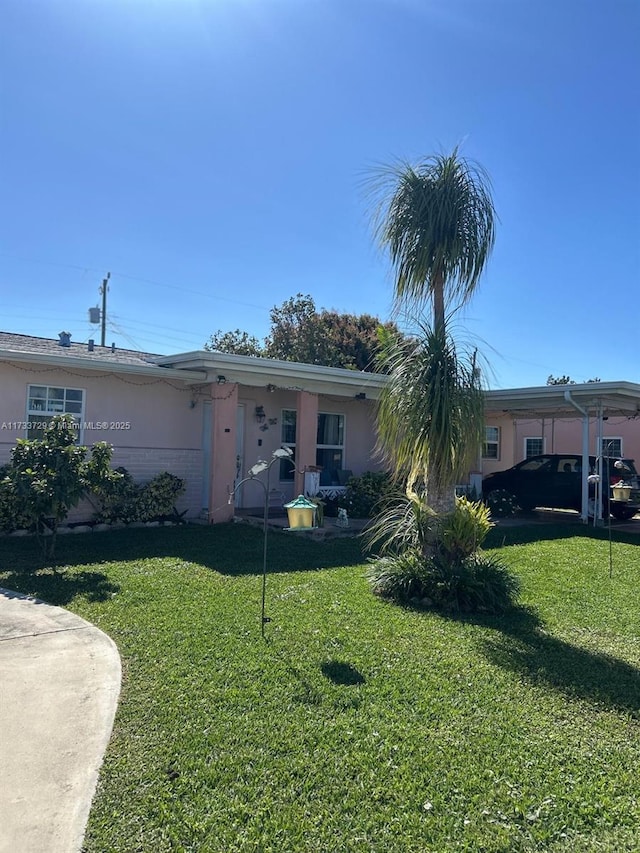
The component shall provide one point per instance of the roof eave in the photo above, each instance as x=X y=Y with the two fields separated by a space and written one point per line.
x=80 y=363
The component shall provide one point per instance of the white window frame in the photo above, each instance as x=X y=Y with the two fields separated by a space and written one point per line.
x=340 y=447
x=291 y=444
x=497 y=442
x=528 y=438
x=35 y=413
x=604 y=441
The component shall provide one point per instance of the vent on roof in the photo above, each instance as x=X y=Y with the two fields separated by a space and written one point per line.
x=65 y=339
x=90 y=344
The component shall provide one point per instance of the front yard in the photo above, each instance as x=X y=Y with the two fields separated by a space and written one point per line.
x=358 y=725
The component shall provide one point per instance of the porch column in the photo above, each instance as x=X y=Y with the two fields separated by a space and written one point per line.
x=224 y=405
x=306 y=435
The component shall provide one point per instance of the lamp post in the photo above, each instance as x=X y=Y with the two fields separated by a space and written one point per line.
x=261 y=466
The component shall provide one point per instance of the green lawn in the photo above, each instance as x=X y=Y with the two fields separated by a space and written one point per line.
x=358 y=725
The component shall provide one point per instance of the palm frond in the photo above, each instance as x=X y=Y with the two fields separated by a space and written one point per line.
x=437 y=222
x=431 y=412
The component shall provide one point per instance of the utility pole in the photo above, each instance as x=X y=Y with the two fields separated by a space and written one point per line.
x=103 y=291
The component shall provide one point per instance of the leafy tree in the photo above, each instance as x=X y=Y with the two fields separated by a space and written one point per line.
x=559 y=380
x=437 y=222
x=300 y=332
x=236 y=342
x=566 y=380
x=47 y=477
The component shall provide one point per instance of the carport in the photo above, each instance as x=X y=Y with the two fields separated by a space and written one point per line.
x=597 y=400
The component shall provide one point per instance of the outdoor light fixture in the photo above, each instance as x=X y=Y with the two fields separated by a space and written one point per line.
x=271 y=388
x=221 y=379
x=260 y=415
x=361 y=396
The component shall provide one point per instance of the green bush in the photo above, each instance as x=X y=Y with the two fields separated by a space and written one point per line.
x=464 y=530
x=401 y=577
x=124 y=500
x=158 y=498
x=366 y=495
x=49 y=476
x=501 y=503
x=13 y=514
x=405 y=525
x=119 y=499
x=479 y=584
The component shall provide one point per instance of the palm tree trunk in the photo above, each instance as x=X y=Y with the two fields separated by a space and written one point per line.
x=438 y=301
x=441 y=500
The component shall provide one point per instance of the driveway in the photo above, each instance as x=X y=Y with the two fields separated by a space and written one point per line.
x=60 y=680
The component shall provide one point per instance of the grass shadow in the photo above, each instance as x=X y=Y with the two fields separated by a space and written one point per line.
x=520 y=643
x=231 y=549
x=60 y=588
x=503 y=536
x=341 y=672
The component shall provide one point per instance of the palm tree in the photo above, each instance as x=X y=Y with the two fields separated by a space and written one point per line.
x=437 y=221
x=430 y=415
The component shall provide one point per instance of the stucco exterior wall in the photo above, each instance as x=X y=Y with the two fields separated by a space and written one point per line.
x=260 y=443
x=561 y=435
x=164 y=433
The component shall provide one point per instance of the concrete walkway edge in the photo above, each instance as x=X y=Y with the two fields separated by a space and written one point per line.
x=59 y=687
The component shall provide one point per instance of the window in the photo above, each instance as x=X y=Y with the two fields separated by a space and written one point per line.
x=491 y=446
x=44 y=401
x=533 y=447
x=288 y=437
x=329 y=445
x=610 y=447
x=543 y=464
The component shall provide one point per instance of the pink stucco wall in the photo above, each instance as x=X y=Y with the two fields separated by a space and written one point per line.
x=561 y=435
x=260 y=443
x=165 y=433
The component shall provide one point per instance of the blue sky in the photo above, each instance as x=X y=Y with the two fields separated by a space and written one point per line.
x=210 y=154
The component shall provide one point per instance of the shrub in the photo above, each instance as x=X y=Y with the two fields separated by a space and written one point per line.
x=405 y=525
x=401 y=577
x=124 y=500
x=13 y=514
x=158 y=497
x=366 y=495
x=119 y=499
x=480 y=583
x=464 y=530
x=49 y=476
x=501 y=503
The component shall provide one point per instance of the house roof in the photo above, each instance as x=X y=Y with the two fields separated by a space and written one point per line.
x=49 y=346
x=262 y=372
x=606 y=398
x=28 y=348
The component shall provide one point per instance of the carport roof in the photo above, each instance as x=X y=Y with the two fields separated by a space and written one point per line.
x=606 y=398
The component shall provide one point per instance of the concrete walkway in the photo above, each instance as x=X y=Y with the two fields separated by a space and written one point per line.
x=59 y=687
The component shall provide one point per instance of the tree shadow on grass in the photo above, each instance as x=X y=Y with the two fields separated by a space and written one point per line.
x=231 y=549
x=60 y=588
x=503 y=536
x=521 y=643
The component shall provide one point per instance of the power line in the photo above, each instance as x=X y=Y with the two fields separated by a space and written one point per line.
x=180 y=288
